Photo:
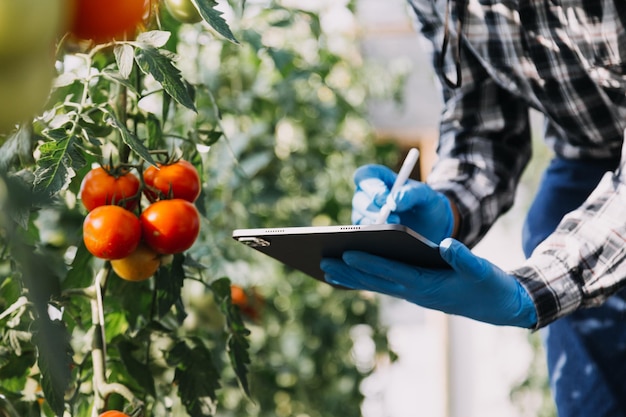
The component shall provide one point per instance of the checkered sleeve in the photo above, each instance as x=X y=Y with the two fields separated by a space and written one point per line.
x=485 y=140
x=584 y=261
x=484 y=146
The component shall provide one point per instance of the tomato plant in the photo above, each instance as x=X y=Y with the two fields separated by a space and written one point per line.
x=170 y=226
x=106 y=20
x=111 y=232
x=183 y=10
x=140 y=265
x=178 y=179
x=102 y=186
x=256 y=114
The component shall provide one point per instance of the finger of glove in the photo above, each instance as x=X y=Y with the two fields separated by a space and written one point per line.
x=415 y=194
x=462 y=260
x=336 y=272
x=364 y=210
x=425 y=287
x=375 y=181
x=381 y=172
x=512 y=304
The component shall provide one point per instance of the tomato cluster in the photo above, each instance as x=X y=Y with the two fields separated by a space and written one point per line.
x=135 y=242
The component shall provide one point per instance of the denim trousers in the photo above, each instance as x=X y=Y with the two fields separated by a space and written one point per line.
x=586 y=351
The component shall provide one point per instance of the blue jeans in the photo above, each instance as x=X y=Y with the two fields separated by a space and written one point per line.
x=586 y=351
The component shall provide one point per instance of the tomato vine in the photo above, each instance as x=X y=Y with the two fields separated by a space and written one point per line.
x=247 y=115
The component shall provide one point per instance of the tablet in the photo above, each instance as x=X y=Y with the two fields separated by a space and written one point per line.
x=303 y=248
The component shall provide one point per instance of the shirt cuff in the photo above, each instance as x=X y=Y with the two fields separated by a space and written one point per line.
x=552 y=285
x=583 y=262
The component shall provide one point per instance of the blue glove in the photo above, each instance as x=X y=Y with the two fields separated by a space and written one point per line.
x=419 y=207
x=473 y=288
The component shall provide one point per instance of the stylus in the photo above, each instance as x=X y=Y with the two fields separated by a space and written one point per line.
x=403 y=175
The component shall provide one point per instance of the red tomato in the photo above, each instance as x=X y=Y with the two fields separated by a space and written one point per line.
x=105 y=20
x=179 y=179
x=170 y=226
x=111 y=232
x=113 y=413
x=100 y=188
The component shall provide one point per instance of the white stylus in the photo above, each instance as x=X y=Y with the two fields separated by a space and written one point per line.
x=403 y=176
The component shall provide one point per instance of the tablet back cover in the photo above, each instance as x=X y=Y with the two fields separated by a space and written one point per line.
x=303 y=248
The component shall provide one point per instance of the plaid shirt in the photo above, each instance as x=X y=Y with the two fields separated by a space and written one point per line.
x=566 y=59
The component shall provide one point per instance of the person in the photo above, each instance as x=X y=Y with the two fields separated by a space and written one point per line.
x=496 y=60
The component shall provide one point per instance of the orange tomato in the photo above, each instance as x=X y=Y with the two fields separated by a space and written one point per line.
x=139 y=265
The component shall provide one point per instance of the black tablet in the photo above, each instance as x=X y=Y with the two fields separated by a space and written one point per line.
x=303 y=248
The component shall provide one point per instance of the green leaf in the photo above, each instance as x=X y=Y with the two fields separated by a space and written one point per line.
x=154 y=38
x=95 y=125
x=214 y=18
x=54 y=361
x=59 y=157
x=17 y=146
x=153 y=62
x=238 y=344
x=80 y=274
x=15 y=366
x=116 y=77
x=139 y=371
x=116 y=323
x=10 y=290
x=131 y=140
x=124 y=56
x=196 y=376
x=169 y=282
x=209 y=137
x=154 y=131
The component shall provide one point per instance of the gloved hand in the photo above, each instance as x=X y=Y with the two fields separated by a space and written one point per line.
x=419 y=207
x=473 y=288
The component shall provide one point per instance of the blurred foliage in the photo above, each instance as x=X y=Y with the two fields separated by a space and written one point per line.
x=272 y=115
x=532 y=396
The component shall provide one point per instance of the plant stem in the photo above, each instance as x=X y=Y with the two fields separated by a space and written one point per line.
x=102 y=388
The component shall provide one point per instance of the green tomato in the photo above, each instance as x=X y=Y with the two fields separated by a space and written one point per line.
x=25 y=83
x=29 y=25
x=183 y=10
